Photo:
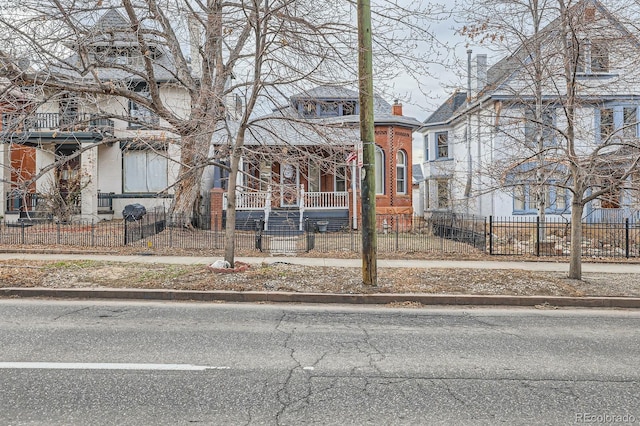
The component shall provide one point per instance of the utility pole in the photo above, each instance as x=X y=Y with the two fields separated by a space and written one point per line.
x=367 y=136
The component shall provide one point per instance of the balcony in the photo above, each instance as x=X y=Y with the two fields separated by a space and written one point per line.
x=49 y=122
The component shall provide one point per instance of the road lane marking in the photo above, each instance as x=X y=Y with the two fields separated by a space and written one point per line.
x=106 y=366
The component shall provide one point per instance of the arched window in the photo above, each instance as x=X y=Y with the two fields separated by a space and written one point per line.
x=401 y=172
x=379 y=170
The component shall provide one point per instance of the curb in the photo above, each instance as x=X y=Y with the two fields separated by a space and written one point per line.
x=290 y=297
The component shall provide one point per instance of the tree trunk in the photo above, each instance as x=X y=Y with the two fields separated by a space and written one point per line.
x=230 y=229
x=575 y=257
x=194 y=150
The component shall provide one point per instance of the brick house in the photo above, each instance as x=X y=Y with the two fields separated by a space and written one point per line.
x=301 y=164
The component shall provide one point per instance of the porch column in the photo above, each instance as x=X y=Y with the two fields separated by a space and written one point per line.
x=89 y=194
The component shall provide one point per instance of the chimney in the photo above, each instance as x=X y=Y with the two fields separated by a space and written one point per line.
x=479 y=72
x=396 y=108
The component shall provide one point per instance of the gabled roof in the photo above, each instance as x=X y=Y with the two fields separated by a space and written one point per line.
x=446 y=110
x=503 y=70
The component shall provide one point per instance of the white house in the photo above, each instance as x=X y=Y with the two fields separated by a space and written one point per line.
x=483 y=145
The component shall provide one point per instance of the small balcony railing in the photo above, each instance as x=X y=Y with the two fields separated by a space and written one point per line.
x=39 y=122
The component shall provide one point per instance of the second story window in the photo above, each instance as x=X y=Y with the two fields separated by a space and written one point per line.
x=380 y=168
x=401 y=173
x=442 y=144
x=139 y=114
x=426 y=148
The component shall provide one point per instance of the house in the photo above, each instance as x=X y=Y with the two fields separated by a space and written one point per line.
x=96 y=153
x=301 y=163
x=99 y=153
x=499 y=148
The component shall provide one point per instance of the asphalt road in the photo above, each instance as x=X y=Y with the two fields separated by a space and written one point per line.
x=143 y=363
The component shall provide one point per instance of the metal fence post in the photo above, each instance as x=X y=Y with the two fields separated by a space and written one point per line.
x=626 y=237
x=397 y=232
x=58 y=231
x=490 y=235
x=538 y=236
x=22 y=226
x=93 y=233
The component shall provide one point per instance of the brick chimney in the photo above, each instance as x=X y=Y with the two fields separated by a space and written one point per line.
x=396 y=108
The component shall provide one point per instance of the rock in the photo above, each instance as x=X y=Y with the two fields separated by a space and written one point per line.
x=220 y=264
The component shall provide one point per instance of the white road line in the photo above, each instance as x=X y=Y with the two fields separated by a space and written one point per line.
x=105 y=366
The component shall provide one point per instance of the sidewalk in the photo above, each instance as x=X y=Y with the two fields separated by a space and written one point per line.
x=280 y=297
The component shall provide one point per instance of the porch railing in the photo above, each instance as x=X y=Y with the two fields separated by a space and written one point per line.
x=310 y=200
x=326 y=200
x=248 y=200
x=14 y=122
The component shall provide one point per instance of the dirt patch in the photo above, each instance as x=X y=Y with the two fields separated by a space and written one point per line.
x=282 y=276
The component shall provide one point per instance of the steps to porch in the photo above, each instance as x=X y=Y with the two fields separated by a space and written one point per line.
x=287 y=221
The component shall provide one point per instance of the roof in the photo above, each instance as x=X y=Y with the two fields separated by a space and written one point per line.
x=507 y=67
x=446 y=110
x=113 y=29
x=285 y=126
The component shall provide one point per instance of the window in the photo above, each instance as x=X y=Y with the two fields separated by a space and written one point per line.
x=444 y=197
x=340 y=182
x=329 y=109
x=401 y=173
x=592 y=56
x=326 y=108
x=606 y=123
x=619 y=120
x=545 y=125
x=379 y=171
x=525 y=198
x=442 y=145
x=561 y=199
x=426 y=148
x=145 y=170
x=141 y=114
x=349 y=108
x=520 y=198
x=630 y=122
x=265 y=174
x=314 y=177
x=599 y=60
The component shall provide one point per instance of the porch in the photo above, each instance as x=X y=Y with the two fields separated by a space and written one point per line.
x=33 y=206
x=289 y=208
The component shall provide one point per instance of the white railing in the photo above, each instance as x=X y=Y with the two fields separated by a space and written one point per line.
x=248 y=200
x=326 y=200
x=308 y=200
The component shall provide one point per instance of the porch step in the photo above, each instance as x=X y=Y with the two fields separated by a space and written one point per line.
x=284 y=220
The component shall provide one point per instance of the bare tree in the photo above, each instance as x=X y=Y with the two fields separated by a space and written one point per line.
x=231 y=61
x=555 y=121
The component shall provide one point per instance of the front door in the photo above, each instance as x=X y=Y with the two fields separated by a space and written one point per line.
x=289 y=184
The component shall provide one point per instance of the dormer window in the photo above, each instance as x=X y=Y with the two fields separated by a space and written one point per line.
x=326 y=108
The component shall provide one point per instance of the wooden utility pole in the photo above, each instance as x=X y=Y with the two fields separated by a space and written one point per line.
x=367 y=136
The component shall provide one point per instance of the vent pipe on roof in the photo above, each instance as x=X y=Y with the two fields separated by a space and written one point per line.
x=469 y=51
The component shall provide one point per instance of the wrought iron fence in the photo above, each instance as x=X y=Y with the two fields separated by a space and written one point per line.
x=552 y=237
x=400 y=234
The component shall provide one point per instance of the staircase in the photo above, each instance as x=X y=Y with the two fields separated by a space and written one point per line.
x=284 y=221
